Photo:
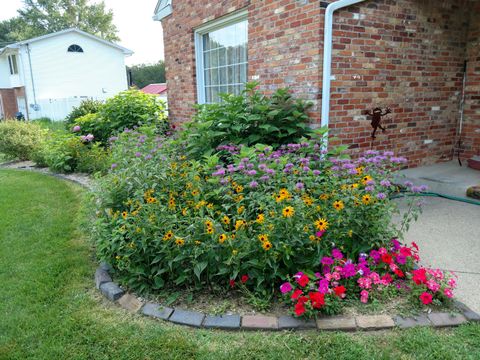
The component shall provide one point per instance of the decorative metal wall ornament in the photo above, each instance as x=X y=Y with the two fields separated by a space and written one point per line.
x=377 y=115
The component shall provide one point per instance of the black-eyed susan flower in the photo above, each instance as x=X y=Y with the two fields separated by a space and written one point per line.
x=338 y=205
x=263 y=237
x=240 y=224
x=195 y=193
x=124 y=214
x=321 y=224
x=288 y=211
x=210 y=230
x=179 y=242
x=240 y=210
x=324 y=197
x=366 y=179
x=266 y=245
x=168 y=235
x=208 y=223
x=239 y=189
x=359 y=170
x=226 y=220
x=366 y=199
x=222 y=238
x=260 y=219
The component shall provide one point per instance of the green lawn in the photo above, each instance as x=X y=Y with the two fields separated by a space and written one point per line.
x=49 y=308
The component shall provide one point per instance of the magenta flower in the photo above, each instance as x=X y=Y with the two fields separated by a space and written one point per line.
x=337 y=254
x=327 y=260
x=448 y=292
x=286 y=287
x=364 y=296
x=76 y=128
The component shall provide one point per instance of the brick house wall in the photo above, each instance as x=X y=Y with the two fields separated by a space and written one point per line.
x=9 y=103
x=471 y=128
x=406 y=54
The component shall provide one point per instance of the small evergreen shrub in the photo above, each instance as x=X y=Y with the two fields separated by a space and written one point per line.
x=20 y=139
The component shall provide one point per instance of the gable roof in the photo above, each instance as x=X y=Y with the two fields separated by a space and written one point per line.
x=66 y=31
x=155 y=89
x=162 y=10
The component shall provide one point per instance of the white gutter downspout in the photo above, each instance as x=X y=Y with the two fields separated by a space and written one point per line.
x=327 y=56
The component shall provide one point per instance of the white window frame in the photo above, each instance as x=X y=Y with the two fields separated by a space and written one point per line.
x=224 y=21
x=13 y=64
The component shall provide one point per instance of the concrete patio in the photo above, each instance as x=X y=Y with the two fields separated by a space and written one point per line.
x=448 y=232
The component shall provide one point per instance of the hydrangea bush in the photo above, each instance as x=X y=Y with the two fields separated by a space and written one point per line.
x=166 y=219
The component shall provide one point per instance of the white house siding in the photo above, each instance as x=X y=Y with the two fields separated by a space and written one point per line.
x=62 y=78
x=4 y=73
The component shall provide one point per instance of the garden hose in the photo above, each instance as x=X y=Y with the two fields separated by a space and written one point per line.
x=434 y=194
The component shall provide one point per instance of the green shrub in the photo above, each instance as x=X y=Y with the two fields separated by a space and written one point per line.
x=67 y=153
x=166 y=219
x=133 y=108
x=20 y=139
x=87 y=106
x=248 y=119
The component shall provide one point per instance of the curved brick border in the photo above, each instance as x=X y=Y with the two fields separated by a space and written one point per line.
x=113 y=292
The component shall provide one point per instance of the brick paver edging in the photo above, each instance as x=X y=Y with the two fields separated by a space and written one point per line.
x=113 y=292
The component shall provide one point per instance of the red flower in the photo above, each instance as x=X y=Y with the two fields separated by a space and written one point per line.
x=244 y=279
x=317 y=299
x=387 y=278
x=399 y=273
x=426 y=298
x=303 y=280
x=296 y=294
x=302 y=299
x=340 y=291
x=387 y=258
x=232 y=283
x=405 y=251
x=299 y=309
x=419 y=276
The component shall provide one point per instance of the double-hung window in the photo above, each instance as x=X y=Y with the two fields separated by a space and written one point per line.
x=12 y=62
x=221 y=57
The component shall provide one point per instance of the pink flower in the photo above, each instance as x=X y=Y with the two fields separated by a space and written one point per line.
x=336 y=276
x=364 y=283
x=337 y=254
x=76 y=128
x=452 y=283
x=375 y=278
x=286 y=287
x=433 y=285
x=319 y=234
x=426 y=298
x=448 y=292
x=364 y=296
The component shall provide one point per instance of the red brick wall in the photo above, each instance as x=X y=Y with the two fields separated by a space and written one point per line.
x=471 y=128
x=9 y=102
x=407 y=54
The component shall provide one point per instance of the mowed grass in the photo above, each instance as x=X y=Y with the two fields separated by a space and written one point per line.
x=49 y=308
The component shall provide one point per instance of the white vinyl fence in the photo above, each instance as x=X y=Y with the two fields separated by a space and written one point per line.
x=55 y=109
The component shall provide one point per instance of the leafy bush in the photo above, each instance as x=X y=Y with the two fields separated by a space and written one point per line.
x=87 y=106
x=20 y=139
x=133 y=108
x=167 y=219
x=248 y=119
x=65 y=153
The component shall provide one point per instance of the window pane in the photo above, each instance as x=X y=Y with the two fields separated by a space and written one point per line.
x=225 y=60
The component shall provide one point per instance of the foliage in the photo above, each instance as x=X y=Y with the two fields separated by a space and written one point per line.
x=41 y=17
x=248 y=119
x=87 y=106
x=145 y=74
x=65 y=153
x=43 y=245
x=168 y=219
x=380 y=273
x=20 y=139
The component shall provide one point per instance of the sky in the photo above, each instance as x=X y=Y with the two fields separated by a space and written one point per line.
x=133 y=19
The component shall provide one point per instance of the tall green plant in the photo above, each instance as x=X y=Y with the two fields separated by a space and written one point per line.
x=249 y=118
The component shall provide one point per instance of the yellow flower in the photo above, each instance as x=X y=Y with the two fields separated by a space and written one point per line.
x=226 y=220
x=208 y=223
x=168 y=235
x=134 y=213
x=279 y=198
x=271 y=227
x=196 y=178
x=239 y=189
x=344 y=187
x=263 y=237
x=151 y=200
x=117 y=257
x=338 y=205
x=239 y=224
x=306 y=228
x=324 y=197
x=288 y=211
x=222 y=238
x=312 y=238
x=232 y=236
x=131 y=245
x=260 y=218
x=180 y=242
x=124 y=214
x=210 y=206
x=240 y=210
x=321 y=224
x=234 y=252
x=197 y=242
x=356 y=202
x=284 y=193
x=359 y=170
x=350 y=233
x=138 y=230
x=184 y=211
x=171 y=203
x=366 y=199
x=354 y=186
x=307 y=200
x=210 y=230
x=272 y=213
x=366 y=179
x=267 y=245
x=195 y=192
x=152 y=218
x=238 y=198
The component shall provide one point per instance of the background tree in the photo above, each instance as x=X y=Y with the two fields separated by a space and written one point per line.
x=144 y=74
x=40 y=17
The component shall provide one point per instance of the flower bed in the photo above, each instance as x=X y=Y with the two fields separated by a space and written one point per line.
x=165 y=219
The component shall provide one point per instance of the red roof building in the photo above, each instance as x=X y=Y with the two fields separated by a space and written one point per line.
x=156 y=89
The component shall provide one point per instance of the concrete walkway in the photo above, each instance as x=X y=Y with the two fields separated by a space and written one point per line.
x=448 y=232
